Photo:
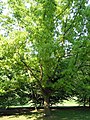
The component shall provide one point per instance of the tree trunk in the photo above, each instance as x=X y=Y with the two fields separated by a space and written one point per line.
x=46 y=106
x=84 y=101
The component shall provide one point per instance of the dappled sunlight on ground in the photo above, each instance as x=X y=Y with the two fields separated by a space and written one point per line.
x=14 y=118
x=56 y=114
x=33 y=115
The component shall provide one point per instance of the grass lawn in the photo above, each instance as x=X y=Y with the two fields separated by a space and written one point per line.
x=59 y=114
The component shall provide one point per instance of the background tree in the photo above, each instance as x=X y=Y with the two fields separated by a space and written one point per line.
x=81 y=60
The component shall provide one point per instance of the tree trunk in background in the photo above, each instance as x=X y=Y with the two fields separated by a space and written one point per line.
x=84 y=101
x=46 y=105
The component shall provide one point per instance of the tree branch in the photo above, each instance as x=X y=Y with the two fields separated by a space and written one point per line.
x=41 y=71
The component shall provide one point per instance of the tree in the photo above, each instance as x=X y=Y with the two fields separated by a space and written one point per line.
x=82 y=64
x=80 y=61
x=39 y=40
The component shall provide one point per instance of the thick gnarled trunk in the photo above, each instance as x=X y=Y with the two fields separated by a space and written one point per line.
x=46 y=106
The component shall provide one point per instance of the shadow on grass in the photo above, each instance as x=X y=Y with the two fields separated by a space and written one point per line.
x=56 y=114
x=67 y=114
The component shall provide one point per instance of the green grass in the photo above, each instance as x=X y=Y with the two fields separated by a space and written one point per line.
x=68 y=103
x=60 y=114
x=65 y=103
